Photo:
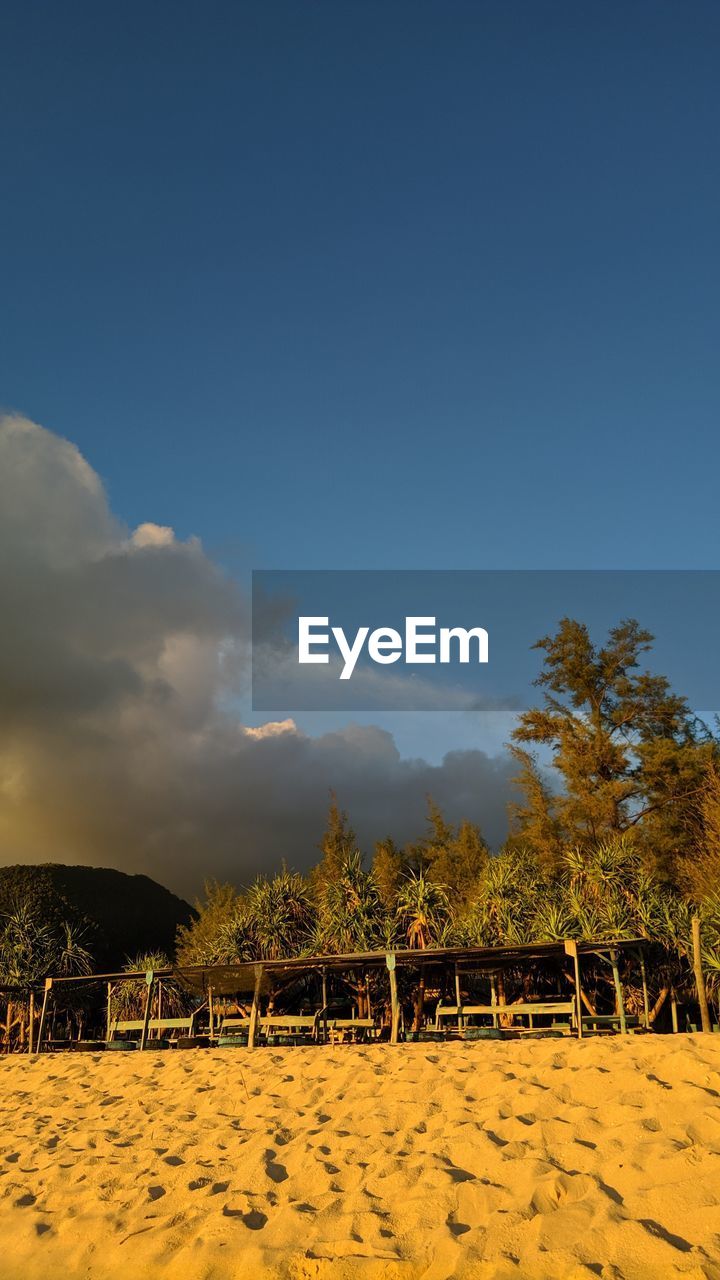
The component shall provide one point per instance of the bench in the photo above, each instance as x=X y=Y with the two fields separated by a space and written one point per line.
x=292 y=1024
x=346 y=1030
x=526 y=1009
x=280 y=1025
x=154 y=1024
x=610 y=1022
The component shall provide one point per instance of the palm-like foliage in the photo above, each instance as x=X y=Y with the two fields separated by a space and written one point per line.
x=423 y=911
x=351 y=916
x=710 y=916
x=234 y=939
x=129 y=996
x=32 y=948
x=502 y=909
x=611 y=894
x=279 y=916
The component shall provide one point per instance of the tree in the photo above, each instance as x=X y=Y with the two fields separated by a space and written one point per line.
x=700 y=869
x=351 y=910
x=280 y=916
x=389 y=866
x=205 y=939
x=450 y=855
x=505 y=900
x=629 y=751
x=130 y=995
x=32 y=948
x=423 y=911
x=535 y=822
x=337 y=843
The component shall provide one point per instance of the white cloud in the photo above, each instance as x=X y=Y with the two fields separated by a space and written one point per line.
x=119 y=656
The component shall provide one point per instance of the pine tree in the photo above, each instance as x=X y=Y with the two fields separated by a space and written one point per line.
x=336 y=846
x=628 y=749
x=454 y=856
x=389 y=866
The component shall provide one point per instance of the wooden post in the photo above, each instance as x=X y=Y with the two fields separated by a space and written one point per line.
x=674 y=1010
x=150 y=980
x=646 y=1002
x=699 y=975
x=43 y=1014
x=211 y=1013
x=618 y=992
x=324 y=1006
x=493 y=998
x=31 y=1023
x=252 y=1031
x=394 y=1004
x=458 y=999
x=571 y=949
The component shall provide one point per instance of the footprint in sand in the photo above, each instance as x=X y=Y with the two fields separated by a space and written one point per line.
x=566 y=1188
x=457 y=1228
x=276 y=1171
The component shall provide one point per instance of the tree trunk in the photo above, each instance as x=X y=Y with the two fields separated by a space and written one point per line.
x=420 y=1002
x=585 y=999
x=664 y=993
x=699 y=975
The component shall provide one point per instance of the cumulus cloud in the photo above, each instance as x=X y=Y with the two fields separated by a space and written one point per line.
x=121 y=653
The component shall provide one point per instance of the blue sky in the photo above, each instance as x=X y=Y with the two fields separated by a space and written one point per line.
x=373 y=285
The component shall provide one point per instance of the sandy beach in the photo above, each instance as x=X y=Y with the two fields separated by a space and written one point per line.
x=522 y=1159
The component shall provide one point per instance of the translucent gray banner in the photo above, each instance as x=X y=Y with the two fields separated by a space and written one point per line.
x=406 y=640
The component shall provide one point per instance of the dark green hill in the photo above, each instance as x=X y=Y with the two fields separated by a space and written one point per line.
x=123 y=914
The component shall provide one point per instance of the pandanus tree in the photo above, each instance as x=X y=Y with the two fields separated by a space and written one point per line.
x=350 y=914
x=423 y=911
x=502 y=909
x=425 y=919
x=33 y=948
x=280 y=916
x=611 y=893
x=129 y=995
x=710 y=925
x=351 y=918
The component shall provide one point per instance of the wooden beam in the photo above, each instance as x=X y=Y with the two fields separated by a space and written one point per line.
x=571 y=949
x=674 y=1010
x=43 y=1014
x=252 y=1029
x=646 y=1001
x=324 y=1006
x=618 y=992
x=31 y=1024
x=705 y=1023
x=493 y=998
x=150 y=980
x=394 y=1003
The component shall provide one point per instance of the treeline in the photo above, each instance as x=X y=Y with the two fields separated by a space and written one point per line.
x=624 y=842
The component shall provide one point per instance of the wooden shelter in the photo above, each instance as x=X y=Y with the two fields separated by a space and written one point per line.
x=450 y=972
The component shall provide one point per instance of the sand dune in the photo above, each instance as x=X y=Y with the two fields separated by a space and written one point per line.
x=525 y=1159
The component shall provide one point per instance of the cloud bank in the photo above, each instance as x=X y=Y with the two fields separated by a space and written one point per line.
x=120 y=656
